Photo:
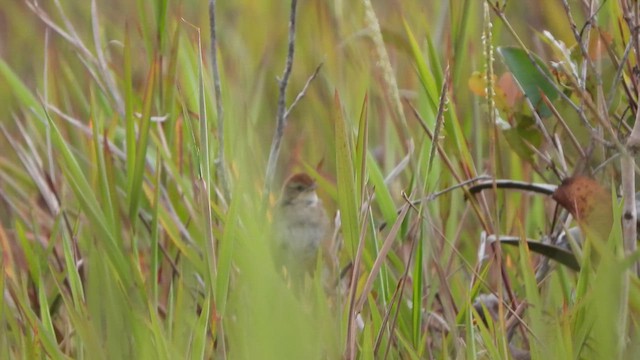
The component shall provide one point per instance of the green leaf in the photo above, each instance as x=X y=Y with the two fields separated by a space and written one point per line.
x=426 y=76
x=383 y=194
x=75 y=175
x=227 y=245
x=361 y=149
x=533 y=296
x=529 y=78
x=128 y=110
x=19 y=89
x=346 y=180
x=135 y=190
x=199 y=334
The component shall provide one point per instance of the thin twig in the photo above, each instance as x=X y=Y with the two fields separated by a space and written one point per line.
x=220 y=163
x=578 y=35
x=303 y=92
x=618 y=77
x=282 y=91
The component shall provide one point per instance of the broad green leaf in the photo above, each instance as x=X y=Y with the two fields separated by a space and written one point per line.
x=346 y=180
x=531 y=80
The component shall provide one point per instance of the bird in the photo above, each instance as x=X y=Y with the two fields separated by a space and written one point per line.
x=301 y=225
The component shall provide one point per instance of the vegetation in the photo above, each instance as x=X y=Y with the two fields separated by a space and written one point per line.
x=139 y=168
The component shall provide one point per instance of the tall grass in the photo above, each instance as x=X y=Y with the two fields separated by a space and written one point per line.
x=125 y=234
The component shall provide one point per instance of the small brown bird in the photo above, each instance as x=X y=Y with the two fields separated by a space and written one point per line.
x=300 y=225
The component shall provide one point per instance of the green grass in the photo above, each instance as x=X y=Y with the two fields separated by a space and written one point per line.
x=121 y=240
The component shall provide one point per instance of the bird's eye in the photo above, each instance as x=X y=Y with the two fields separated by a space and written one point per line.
x=299 y=187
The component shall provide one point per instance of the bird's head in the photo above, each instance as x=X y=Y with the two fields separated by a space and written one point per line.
x=299 y=187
